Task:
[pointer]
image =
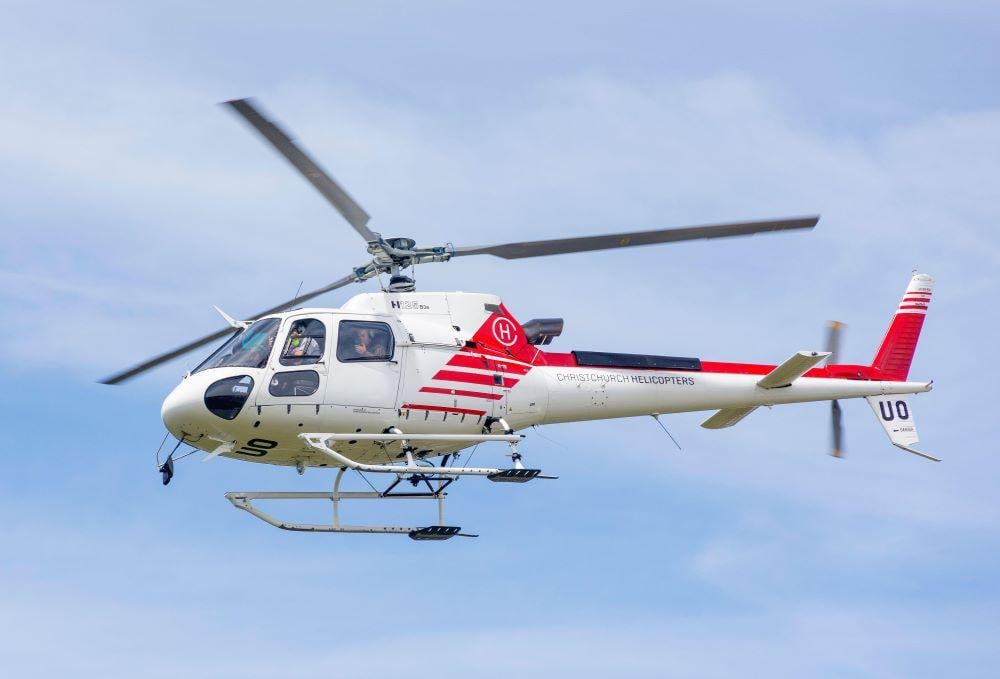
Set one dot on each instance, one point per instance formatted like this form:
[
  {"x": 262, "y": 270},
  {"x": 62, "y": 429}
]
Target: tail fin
[
  {"x": 896, "y": 353},
  {"x": 896, "y": 418}
]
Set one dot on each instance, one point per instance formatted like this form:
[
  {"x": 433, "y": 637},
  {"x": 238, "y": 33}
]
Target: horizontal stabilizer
[
  {"x": 792, "y": 369},
  {"x": 727, "y": 417}
]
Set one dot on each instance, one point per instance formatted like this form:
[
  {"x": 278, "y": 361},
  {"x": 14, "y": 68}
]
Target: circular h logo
[{"x": 504, "y": 331}]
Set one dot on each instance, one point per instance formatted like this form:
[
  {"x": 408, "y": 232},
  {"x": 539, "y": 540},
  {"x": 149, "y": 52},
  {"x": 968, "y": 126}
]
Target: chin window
[{"x": 226, "y": 397}]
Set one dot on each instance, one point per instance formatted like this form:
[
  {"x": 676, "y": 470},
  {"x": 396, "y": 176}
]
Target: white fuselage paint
[{"x": 431, "y": 329}]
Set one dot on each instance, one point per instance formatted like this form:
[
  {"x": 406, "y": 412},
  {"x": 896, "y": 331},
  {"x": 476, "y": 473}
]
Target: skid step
[
  {"x": 514, "y": 475},
  {"x": 436, "y": 533}
]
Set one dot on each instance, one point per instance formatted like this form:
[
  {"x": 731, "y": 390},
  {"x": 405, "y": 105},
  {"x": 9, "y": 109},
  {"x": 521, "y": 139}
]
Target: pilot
[
  {"x": 300, "y": 346},
  {"x": 295, "y": 345}
]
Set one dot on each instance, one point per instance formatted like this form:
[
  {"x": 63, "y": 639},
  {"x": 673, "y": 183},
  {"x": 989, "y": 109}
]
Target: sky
[{"x": 131, "y": 203}]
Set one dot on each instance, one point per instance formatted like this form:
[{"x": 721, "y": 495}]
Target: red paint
[
  {"x": 462, "y": 392},
  {"x": 895, "y": 354},
  {"x": 441, "y": 409},
  {"x": 472, "y": 378},
  {"x": 469, "y": 361}
]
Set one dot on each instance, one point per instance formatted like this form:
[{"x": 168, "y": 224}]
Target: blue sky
[{"x": 132, "y": 203}]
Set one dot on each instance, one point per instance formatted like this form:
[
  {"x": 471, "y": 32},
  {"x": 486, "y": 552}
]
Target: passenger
[
  {"x": 369, "y": 344},
  {"x": 362, "y": 338}
]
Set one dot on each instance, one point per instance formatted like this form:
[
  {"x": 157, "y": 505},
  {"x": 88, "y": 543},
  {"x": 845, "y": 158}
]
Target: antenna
[{"x": 656, "y": 416}]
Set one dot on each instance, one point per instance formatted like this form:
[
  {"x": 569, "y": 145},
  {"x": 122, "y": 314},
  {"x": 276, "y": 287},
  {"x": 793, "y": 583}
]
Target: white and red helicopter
[{"x": 395, "y": 379}]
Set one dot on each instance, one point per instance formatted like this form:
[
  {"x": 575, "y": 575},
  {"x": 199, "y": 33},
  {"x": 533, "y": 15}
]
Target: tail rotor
[
  {"x": 833, "y": 330},
  {"x": 837, "y": 430}
]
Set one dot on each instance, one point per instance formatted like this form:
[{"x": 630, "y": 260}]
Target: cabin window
[
  {"x": 364, "y": 341},
  {"x": 305, "y": 343},
  {"x": 248, "y": 348},
  {"x": 294, "y": 383}
]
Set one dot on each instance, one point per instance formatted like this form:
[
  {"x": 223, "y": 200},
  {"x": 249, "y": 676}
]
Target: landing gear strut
[{"x": 428, "y": 481}]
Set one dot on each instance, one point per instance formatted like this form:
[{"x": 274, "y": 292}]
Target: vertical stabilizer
[
  {"x": 896, "y": 352},
  {"x": 896, "y": 418}
]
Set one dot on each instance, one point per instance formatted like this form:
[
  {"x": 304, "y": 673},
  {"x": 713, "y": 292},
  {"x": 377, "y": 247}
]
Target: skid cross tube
[{"x": 318, "y": 442}]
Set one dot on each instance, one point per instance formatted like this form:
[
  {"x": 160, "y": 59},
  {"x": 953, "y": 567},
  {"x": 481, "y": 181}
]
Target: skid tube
[
  {"x": 435, "y": 478},
  {"x": 244, "y": 501}
]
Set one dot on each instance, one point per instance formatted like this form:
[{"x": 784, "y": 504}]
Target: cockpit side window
[
  {"x": 365, "y": 341},
  {"x": 306, "y": 342},
  {"x": 248, "y": 348}
]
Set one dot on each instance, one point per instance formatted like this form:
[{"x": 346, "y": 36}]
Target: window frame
[{"x": 387, "y": 358}]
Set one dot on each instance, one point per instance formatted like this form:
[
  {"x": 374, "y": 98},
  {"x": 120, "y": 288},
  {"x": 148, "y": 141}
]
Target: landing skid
[{"x": 428, "y": 481}]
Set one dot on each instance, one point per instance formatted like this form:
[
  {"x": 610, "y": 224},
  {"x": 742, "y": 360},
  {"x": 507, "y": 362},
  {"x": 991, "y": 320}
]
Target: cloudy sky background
[{"x": 132, "y": 203}]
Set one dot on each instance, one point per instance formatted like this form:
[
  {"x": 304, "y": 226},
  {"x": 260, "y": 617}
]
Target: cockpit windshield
[{"x": 248, "y": 348}]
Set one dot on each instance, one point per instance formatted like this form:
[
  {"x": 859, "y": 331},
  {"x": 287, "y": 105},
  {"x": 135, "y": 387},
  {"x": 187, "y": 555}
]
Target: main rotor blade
[
  {"x": 118, "y": 378},
  {"x": 559, "y": 246},
  {"x": 324, "y": 183}
]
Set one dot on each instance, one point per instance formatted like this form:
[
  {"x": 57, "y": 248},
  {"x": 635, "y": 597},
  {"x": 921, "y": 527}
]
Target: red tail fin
[{"x": 896, "y": 353}]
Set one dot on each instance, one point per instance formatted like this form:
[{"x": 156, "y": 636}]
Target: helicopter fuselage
[{"x": 445, "y": 363}]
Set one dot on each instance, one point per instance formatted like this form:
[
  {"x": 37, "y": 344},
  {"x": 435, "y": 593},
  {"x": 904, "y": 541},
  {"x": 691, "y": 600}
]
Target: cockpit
[
  {"x": 280, "y": 362},
  {"x": 248, "y": 348}
]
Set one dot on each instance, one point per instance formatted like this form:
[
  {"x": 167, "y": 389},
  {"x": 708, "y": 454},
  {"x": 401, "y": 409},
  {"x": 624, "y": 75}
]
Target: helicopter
[{"x": 398, "y": 383}]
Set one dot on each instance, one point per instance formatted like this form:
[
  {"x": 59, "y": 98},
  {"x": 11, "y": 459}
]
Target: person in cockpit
[{"x": 299, "y": 346}]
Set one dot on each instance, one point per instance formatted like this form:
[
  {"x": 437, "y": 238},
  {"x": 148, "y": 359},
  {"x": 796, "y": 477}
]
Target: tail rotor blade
[
  {"x": 833, "y": 331},
  {"x": 837, "y": 429}
]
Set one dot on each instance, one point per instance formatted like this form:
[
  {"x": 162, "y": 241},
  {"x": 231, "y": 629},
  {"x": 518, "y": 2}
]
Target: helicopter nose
[
  {"x": 182, "y": 410},
  {"x": 200, "y": 405}
]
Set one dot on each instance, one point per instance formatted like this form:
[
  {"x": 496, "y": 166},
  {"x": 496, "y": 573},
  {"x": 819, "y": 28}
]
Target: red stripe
[
  {"x": 462, "y": 392},
  {"x": 495, "y": 353},
  {"x": 553, "y": 359},
  {"x": 468, "y": 361},
  {"x": 441, "y": 409},
  {"x": 922, "y": 308},
  {"x": 472, "y": 378},
  {"x": 735, "y": 368},
  {"x": 755, "y": 369}
]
